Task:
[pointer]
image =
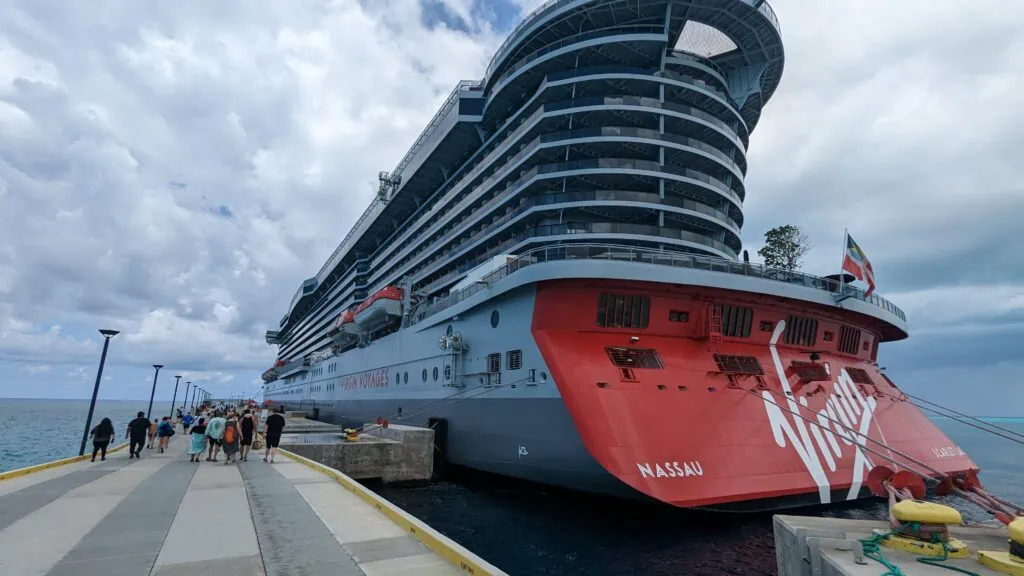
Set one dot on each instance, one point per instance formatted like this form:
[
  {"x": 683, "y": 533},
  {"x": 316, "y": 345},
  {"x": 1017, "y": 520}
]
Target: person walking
[
  {"x": 102, "y": 436},
  {"x": 152, "y": 431},
  {"x": 214, "y": 435},
  {"x": 186, "y": 422},
  {"x": 137, "y": 430},
  {"x": 232, "y": 436},
  {"x": 272, "y": 431},
  {"x": 164, "y": 431},
  {"x": 248, "y": 425},
  {"x": 197, "y": 440}
]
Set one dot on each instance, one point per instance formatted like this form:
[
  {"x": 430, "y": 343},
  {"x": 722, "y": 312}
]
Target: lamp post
[
  {"x": 107, "y": 335},
  {"x": 195, "y": 396},
  {"x": 184, "y": 402},
  {"x": 174, "y": 399},
  {"x": 156, "y": 373}
]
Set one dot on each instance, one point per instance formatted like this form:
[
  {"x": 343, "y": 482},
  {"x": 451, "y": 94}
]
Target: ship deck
[{"x": 162, "y": 515}]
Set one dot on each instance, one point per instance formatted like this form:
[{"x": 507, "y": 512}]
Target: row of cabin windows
[{"x": 633, "y": 311}]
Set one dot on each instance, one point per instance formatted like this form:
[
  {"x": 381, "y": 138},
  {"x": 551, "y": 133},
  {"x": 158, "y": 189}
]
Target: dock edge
[
  {"x": 459, "y": 556},
  {"x": 54, "y": 464}
]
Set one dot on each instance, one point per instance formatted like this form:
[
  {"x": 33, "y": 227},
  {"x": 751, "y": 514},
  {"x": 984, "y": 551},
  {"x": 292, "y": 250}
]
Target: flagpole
[{"x": 842, "y": 272}]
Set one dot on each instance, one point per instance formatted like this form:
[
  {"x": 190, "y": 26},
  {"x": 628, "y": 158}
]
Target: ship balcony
[{"x": 273, "y": 337}]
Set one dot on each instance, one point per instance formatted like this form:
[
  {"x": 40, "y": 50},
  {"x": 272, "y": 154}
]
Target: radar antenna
[{"x": 388, "y": 185}]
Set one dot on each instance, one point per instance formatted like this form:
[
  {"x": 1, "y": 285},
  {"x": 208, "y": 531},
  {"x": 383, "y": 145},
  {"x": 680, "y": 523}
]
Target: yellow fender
[{"x": 926, "y": 513}]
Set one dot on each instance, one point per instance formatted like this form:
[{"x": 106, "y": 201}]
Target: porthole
[
  {"x": 494, "y": 319},
  {"x": 405, "y": 378},
  {"x": 398, "y": 378},
  {"x": 447, "y": 373},
  {"x": 543, "y": 376},
  {"x": 424, "y": 374},
  {"x": 435, "y": 373}
]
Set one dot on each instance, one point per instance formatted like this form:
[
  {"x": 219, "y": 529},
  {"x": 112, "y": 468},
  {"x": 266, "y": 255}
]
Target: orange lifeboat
[
  {"x": 344, "y": 331},
  {"x": 384, "y": 307}
]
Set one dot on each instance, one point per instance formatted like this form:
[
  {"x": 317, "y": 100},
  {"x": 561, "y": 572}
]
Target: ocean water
[
  {"x": 37, "y": 431},
  {"x": 531, "y": 530}
]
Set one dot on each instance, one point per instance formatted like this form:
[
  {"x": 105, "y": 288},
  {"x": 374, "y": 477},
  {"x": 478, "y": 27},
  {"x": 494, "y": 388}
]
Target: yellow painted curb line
[
  {"x": 47, "y": 465},
  {"x": 445, "y": 547}
]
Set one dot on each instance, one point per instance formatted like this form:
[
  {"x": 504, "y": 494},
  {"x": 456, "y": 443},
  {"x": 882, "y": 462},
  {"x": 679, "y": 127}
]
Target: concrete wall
[{"x": 397, "y": 454}]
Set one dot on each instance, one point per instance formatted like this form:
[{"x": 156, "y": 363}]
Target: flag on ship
[{"x": 856, "y": 263}]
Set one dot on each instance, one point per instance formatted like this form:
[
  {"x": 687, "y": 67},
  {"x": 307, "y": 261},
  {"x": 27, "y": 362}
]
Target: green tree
[{"x": 784, "y": 248}]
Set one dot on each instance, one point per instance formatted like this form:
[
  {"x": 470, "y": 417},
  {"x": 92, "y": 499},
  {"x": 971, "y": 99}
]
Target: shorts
[
  {"x": 273, "y": 440},
  {"x": 213, "y": 441},
  {"x": 246, "y": 440}
]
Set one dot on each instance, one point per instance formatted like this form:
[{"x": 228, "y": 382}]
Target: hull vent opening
[
  {"x": 735, "y": 320},
  {"x": 623, "y": 311},
  {"x": 515, "y": 359},
  {"x": 810, "y": 371},
  {"x": 849, "y": 340},
  {"x": 739, "y": 365},
  {"x": 494, "y": 363},
  {"x": 801, "y": 331},
  {"x": 631, "y": 358},
  {"x": 860, "y": 376}
]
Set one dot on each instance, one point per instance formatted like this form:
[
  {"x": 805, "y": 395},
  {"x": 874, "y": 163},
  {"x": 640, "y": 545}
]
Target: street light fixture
[
  {"x": 107, "y": 335},
  {"x": 184, "y": 402},
  {"x": 174, "y": 399},
  {"x": 156, "y": 373}
]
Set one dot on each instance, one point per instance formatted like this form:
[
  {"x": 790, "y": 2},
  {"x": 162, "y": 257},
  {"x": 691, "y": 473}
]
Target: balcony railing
[{"x": 655, "y": 257}]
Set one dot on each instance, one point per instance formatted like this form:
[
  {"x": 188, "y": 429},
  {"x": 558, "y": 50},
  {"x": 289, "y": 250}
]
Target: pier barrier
[
  {"x": 453, "y": 552},
  {"x": 54, "y": 464}
]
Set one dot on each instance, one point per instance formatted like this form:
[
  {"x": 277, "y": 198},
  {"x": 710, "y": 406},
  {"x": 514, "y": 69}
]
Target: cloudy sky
[{"x": 173, "y": 172}]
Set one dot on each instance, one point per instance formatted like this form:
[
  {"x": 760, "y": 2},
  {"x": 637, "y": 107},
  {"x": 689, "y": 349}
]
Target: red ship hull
[{"x": 685, "y": 413}]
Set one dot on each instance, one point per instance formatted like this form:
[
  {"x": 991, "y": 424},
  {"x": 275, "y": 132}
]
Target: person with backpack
[
  {"x": 232, "y": 435},
  {"x": 164, "y": 431},
  {"x": 214, "y": 436}
]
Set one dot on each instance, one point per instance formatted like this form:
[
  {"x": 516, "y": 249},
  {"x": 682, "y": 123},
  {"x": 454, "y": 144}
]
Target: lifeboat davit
[
  {"x": 344, "y": 331},
  {"x": 384, "y": 307}
]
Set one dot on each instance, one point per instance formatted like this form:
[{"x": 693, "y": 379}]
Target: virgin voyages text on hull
[{"x": 552, "y": 268}]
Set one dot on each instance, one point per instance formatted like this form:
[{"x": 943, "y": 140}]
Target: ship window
[
  {"x": 766, "y": 326},
  {"x": 860, "y": 376},
  {"x": 849, "y": 340},
  {"x": 623, "y": 311},
  {"x": 405, "y": 377},
  {"x": 435, "y": 373},
  {"x": 424, "y": 374},
  {"x": 398, "y": 378},
  {"x": 494, "y": 363},
  {"x": 801, "y": 331},
  {"x": 447, "y": 373},
  {"x": 515, "y": 359},
  {"x": 678, "y": 316},
  {"x": 494, "y": 319},
  {"x": 738, "y": 365},
  {"x": 634, "y": 358},
  {"x": 736, "y": 320}
]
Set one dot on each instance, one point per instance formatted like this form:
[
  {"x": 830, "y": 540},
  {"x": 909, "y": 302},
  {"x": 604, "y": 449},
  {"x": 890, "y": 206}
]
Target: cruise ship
[{"x": 554, "y": 271}]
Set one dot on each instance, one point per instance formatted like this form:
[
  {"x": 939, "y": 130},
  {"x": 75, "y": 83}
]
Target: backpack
[{"x": 229, "y": 434}]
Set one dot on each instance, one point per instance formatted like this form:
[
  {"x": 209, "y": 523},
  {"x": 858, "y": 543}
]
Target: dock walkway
[{"x": 165, "y": 516}]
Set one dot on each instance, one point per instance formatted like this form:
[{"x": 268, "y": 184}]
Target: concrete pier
[
  {"x": 809, "y": 546},
  {"x": 165, "y": 516}
]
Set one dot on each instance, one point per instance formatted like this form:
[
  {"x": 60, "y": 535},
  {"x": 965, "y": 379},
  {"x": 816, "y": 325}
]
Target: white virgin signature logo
[{"x": 845, "y": 404}]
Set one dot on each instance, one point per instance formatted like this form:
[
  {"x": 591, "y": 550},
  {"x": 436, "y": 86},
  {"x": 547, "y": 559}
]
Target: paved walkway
[{"x": 165, "y": 516}]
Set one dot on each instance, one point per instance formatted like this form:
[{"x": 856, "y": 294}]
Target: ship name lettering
[
  {"x": 379, "y": 378},
  {"x": 670, "y": 469},
  {"x": 948, "y": 452}
]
